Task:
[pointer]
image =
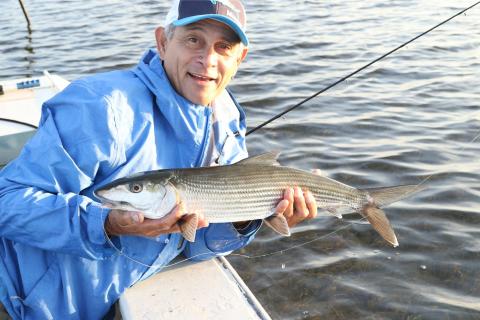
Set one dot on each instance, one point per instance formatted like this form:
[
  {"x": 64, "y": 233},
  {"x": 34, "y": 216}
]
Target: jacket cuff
[
  {"x": 95, "y": 224},
  {"x": 249, "y": 229},
  {"x": 221, "y": 237}
]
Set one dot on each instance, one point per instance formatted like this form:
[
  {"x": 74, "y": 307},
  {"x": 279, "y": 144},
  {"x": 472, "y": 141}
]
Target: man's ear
[
  {"x": 243, "y": 55},
  {"x": 161, "y": 41}
]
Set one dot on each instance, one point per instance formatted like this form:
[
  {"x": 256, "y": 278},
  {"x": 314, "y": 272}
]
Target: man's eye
[
  {"x": 135, "y": 187},
  {"x": 192, "y": 40},
  {"x": 225, "y": 46},
  {"x": 226, "y": 49}
]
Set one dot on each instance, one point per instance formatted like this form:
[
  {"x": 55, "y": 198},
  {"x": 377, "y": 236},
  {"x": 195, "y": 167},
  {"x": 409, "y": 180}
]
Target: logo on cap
[{"x": 230, "y": 12}]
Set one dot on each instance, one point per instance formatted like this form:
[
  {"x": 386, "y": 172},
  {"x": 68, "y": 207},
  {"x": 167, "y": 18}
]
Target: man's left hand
[{"x": 297, "y": 205}]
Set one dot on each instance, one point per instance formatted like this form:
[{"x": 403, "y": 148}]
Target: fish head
[{"x": 155, "y": 198}]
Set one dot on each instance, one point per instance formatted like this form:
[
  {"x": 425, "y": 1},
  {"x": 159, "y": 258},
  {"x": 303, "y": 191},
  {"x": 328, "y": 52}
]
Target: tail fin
[{"x": 387, "y": 195}]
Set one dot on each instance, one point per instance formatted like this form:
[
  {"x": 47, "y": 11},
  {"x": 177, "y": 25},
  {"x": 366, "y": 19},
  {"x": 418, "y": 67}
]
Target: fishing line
[
  {"x": 293, "y": 247},
  {"x": 121, "y": 253},
  {"x": 355, "y": 72},
  {"x": 263, "y": 255},
  {"x": 469, "y": 143},
  {"x": 281, "y": 251},
  {"x": 421, "y": 183},
  {"x": 348, "y": 225}
]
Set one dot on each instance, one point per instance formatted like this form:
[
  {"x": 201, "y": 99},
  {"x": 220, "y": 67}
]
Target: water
[{"x": 413, "y": 116}]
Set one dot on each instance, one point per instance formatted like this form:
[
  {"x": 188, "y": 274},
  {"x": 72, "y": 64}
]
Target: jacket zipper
[{"x": 206, "y": 140}]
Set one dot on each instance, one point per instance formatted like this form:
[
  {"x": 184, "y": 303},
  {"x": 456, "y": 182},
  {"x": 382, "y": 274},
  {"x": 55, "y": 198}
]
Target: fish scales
[
  {"x": 247, "y": 190},
  {"x": 252, "y": 192}
]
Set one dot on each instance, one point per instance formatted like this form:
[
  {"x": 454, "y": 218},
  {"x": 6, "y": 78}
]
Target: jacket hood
[
  {"x": 188, "y": 120},
  {"x": 175, "y": 108}
]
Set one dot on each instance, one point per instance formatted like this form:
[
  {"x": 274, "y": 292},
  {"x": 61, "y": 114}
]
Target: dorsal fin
[{"x": 268, "y": 158}]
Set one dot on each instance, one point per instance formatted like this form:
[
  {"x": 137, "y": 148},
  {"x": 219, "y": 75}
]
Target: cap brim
[{"x": 232, "y": 24}]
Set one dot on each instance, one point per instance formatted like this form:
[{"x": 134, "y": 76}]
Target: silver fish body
[{"x": 247, "y": 190}]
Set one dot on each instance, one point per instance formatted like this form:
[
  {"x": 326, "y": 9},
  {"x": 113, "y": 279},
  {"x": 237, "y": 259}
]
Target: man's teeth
[{"x": 201, "y": 77}]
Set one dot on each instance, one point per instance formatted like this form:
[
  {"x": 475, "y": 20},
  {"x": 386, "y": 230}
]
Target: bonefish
[{"x": 247, "y": 190}]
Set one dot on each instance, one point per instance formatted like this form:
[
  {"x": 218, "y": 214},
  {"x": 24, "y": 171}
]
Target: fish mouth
[
  {"x": 109, "y": 203},
  {"x": 118, "y": 204},
  {"x": 114, "y": 204},
  {"x": 98, "y": 194}
]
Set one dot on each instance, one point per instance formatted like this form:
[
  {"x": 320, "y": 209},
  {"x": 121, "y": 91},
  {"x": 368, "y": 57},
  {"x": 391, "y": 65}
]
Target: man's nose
[{"x": 209, "y": 56}]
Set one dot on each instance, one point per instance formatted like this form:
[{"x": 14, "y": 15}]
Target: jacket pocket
[{"x": 45, "y": 300}]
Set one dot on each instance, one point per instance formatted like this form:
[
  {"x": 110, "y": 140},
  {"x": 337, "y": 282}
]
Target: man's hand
[
  {"x": 121, "y": 222},
  {"x": 297, "y": 205}
]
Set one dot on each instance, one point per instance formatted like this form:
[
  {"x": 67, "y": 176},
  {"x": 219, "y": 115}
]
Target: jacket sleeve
[
  {"x": 220, "y": 239},
  {"x": 41, "y": 201}
]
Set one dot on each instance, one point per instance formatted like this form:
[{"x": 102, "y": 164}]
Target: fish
[{"x": 246, "y": 190}]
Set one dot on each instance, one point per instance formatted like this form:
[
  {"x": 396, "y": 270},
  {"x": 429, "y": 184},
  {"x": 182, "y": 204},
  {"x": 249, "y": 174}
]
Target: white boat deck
[{"x": 198, "y": 291}]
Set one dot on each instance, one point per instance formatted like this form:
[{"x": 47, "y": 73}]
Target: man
[{"x": 64, "y": 256}]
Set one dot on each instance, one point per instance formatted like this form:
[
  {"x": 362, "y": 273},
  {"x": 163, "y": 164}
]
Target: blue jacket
[{"x": 56, "y": 262}]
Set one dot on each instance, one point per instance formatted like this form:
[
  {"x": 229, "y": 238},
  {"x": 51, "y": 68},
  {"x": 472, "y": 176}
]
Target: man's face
[{"x": 200, "y": 59}]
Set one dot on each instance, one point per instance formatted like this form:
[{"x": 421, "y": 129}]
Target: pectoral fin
[
  {"x": 278, "y": 223},
  {"x": 189, "y": 226}
]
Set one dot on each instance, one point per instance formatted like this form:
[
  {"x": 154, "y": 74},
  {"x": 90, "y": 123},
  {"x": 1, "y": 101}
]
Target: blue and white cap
[{"x": 230, "y": 12}]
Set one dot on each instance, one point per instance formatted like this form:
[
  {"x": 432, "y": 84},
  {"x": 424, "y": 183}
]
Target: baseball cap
[{"x": 230, "y": 12}]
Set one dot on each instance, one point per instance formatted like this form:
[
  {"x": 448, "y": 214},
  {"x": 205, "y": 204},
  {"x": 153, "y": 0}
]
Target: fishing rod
[
  {"x": 120, "y": 252},
  {"x": 356, "y": 71}
]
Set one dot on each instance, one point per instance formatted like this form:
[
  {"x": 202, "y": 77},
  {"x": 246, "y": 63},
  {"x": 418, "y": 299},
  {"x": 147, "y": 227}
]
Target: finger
[
  {"x": 121, "y": 222},
  {"x": 289, "y": 196},
  {"x": 172, "y": 218},
  {"x": 311, "y": 205},
  {"x": 152, "y": 228},
  {"x": 282, "y": 206},
  {"x": 301, "y": 210},
  {"x": 167, "y": 224},
  {"x": 125, "y": 218},
  {"x": 202, "y": 222}
]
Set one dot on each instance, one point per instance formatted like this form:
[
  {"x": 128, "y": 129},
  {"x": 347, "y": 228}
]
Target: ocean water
[{"x": 412, "y": 118}]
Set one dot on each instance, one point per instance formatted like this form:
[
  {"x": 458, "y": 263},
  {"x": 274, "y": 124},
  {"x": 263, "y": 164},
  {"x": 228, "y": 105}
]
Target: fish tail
[{"x": 387, "y": 195}]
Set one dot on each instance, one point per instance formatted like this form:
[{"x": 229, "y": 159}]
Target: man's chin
[{"x": 201, "y": 100}]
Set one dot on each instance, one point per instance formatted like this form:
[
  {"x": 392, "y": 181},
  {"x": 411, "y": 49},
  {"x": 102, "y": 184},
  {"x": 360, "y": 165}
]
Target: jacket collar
[
  {"x": 186, "y": 118},
  {"x": 189, "y": 122}
]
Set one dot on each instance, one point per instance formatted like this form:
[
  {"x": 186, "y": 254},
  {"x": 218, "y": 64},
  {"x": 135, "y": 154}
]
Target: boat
[
  {"x": 187, "y": 290},
  {"x": 20, "y": 108}
]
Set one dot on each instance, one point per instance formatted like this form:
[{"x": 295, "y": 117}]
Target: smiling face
[{"x": 200, "y": 59}]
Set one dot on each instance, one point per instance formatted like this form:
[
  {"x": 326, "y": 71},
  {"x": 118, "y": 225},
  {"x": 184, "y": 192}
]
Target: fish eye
[{"x": 135, "y": 187}]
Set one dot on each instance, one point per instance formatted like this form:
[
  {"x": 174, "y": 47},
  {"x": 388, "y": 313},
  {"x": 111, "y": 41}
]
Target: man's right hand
[{"x": 120, "y": 222}]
